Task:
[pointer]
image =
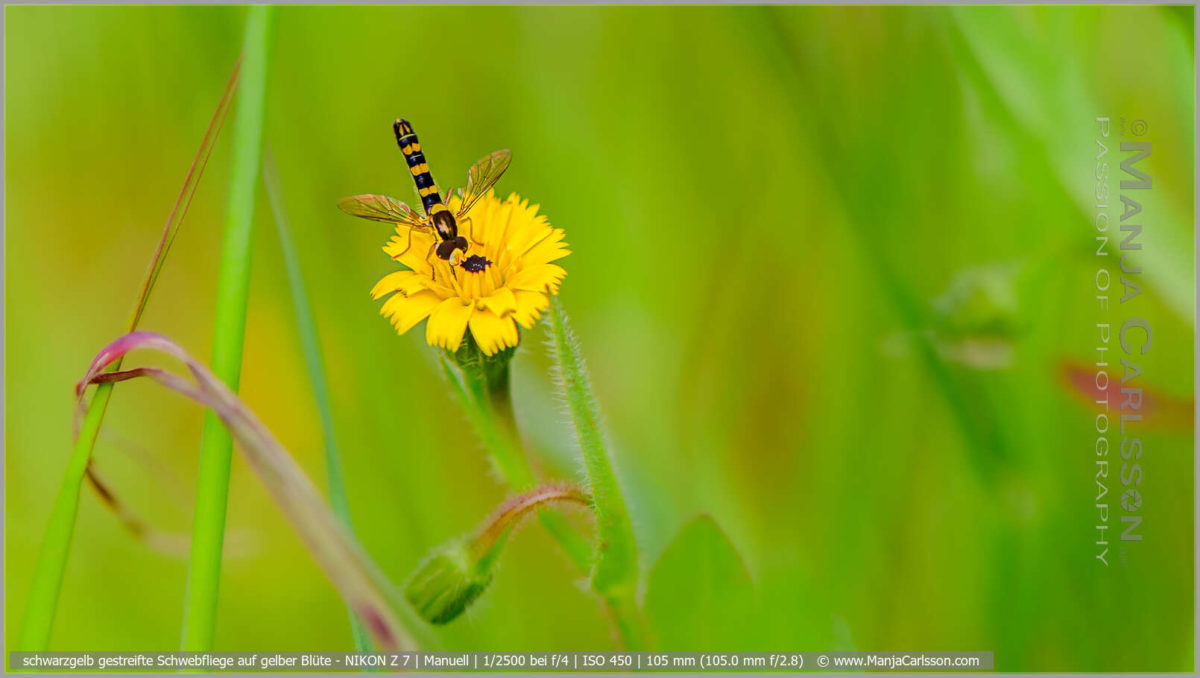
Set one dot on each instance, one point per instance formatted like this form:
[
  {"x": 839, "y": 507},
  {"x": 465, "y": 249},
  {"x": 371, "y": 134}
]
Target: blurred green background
[{"x": 829, "y": 265}]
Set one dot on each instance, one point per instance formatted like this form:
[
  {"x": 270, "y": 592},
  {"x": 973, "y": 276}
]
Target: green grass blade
[
  {"x": 52, "y": 560},
  {"x": 233, "y": 287},
  {"x": 615, "y": 573},
  {"x": 310, "y": 345}
]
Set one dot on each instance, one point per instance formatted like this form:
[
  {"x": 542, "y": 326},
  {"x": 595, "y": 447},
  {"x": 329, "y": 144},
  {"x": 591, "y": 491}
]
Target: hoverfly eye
[{"x": 445, "y": 249}]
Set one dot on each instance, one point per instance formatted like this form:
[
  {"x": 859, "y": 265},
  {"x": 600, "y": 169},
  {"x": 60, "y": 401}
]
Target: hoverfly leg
[
  {"x": 432, "y": 264},
  {"x": 409, "y": 247},
  {"x": 467, "y": 220}
]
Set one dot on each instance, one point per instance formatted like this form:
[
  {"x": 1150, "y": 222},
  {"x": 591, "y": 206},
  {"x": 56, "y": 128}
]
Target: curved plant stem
[
  {"x": 485, "y": 545},
  {"x": 52, "y": 560},
  {"x": 216, "y": 446},
  {"x": 311, "y": 346},
  {"x": 360, "y": 582},
  {"x": 615, "y": 574},
  {"x": 484, "y": 395}
]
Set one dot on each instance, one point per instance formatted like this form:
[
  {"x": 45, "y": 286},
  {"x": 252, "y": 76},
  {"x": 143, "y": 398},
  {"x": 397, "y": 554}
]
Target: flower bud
[
  {"x": 460, "y": 571},
  {"x": 448, "y": 582}
]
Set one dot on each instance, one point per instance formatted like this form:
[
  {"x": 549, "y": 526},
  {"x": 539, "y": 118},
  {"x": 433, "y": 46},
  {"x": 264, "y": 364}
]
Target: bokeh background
[{"x": 829, "y": 268}]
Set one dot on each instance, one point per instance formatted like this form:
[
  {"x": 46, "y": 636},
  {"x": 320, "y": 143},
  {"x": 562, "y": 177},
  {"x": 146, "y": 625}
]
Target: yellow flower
[{"x": 502, "y": 280}]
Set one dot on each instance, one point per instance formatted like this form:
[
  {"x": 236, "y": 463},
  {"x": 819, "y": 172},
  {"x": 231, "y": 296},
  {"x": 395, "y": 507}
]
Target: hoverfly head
[{"x": 446, "y": 248}]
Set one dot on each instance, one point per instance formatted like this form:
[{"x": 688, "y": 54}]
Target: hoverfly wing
[
  {"x": 381, "y": 208},
  {"x": 483, "y": 175}
]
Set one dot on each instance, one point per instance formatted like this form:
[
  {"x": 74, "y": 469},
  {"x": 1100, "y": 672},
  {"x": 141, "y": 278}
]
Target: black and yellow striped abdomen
[{"x": 410, "y": 146}]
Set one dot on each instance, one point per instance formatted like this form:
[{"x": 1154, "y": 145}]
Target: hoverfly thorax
[
  {"x": 447, "y": 228},
  {"x": 444, "y": 222}
]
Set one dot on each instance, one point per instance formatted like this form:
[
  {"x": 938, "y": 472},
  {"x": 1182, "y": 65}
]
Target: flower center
[{"x": 475, "y": 264}]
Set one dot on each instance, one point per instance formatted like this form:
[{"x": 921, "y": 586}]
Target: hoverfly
[{"x": 438, "y": 218}]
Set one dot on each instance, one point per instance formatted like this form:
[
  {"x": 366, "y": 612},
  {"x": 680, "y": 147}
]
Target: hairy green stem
[
  {"x": 615, "y": 573},
  {"x": 495, "y": 428},
  {"x": 216, "y": 445},
  {"x": 483, "y": 391}
]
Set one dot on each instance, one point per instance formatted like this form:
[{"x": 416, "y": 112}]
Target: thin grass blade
[{"x": 310, "y": 344}]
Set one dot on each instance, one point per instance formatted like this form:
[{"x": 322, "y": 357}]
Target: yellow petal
[
  {"x": 537, "y": 278},
  {"x": 484, "y": 225},
  {"x": 404, "y": 312},
  {"x": 448, "y": 322},
  {"x": 501, "y": 303},
  {"x": 404, "y": 282},
  {"x": 527, "y": 234},
  {"x": 529, "y": 307},
  {"x": 492, "y": 332},
  {"x": 390, "y": 283},
  {"x": 548, "y": 250}
]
